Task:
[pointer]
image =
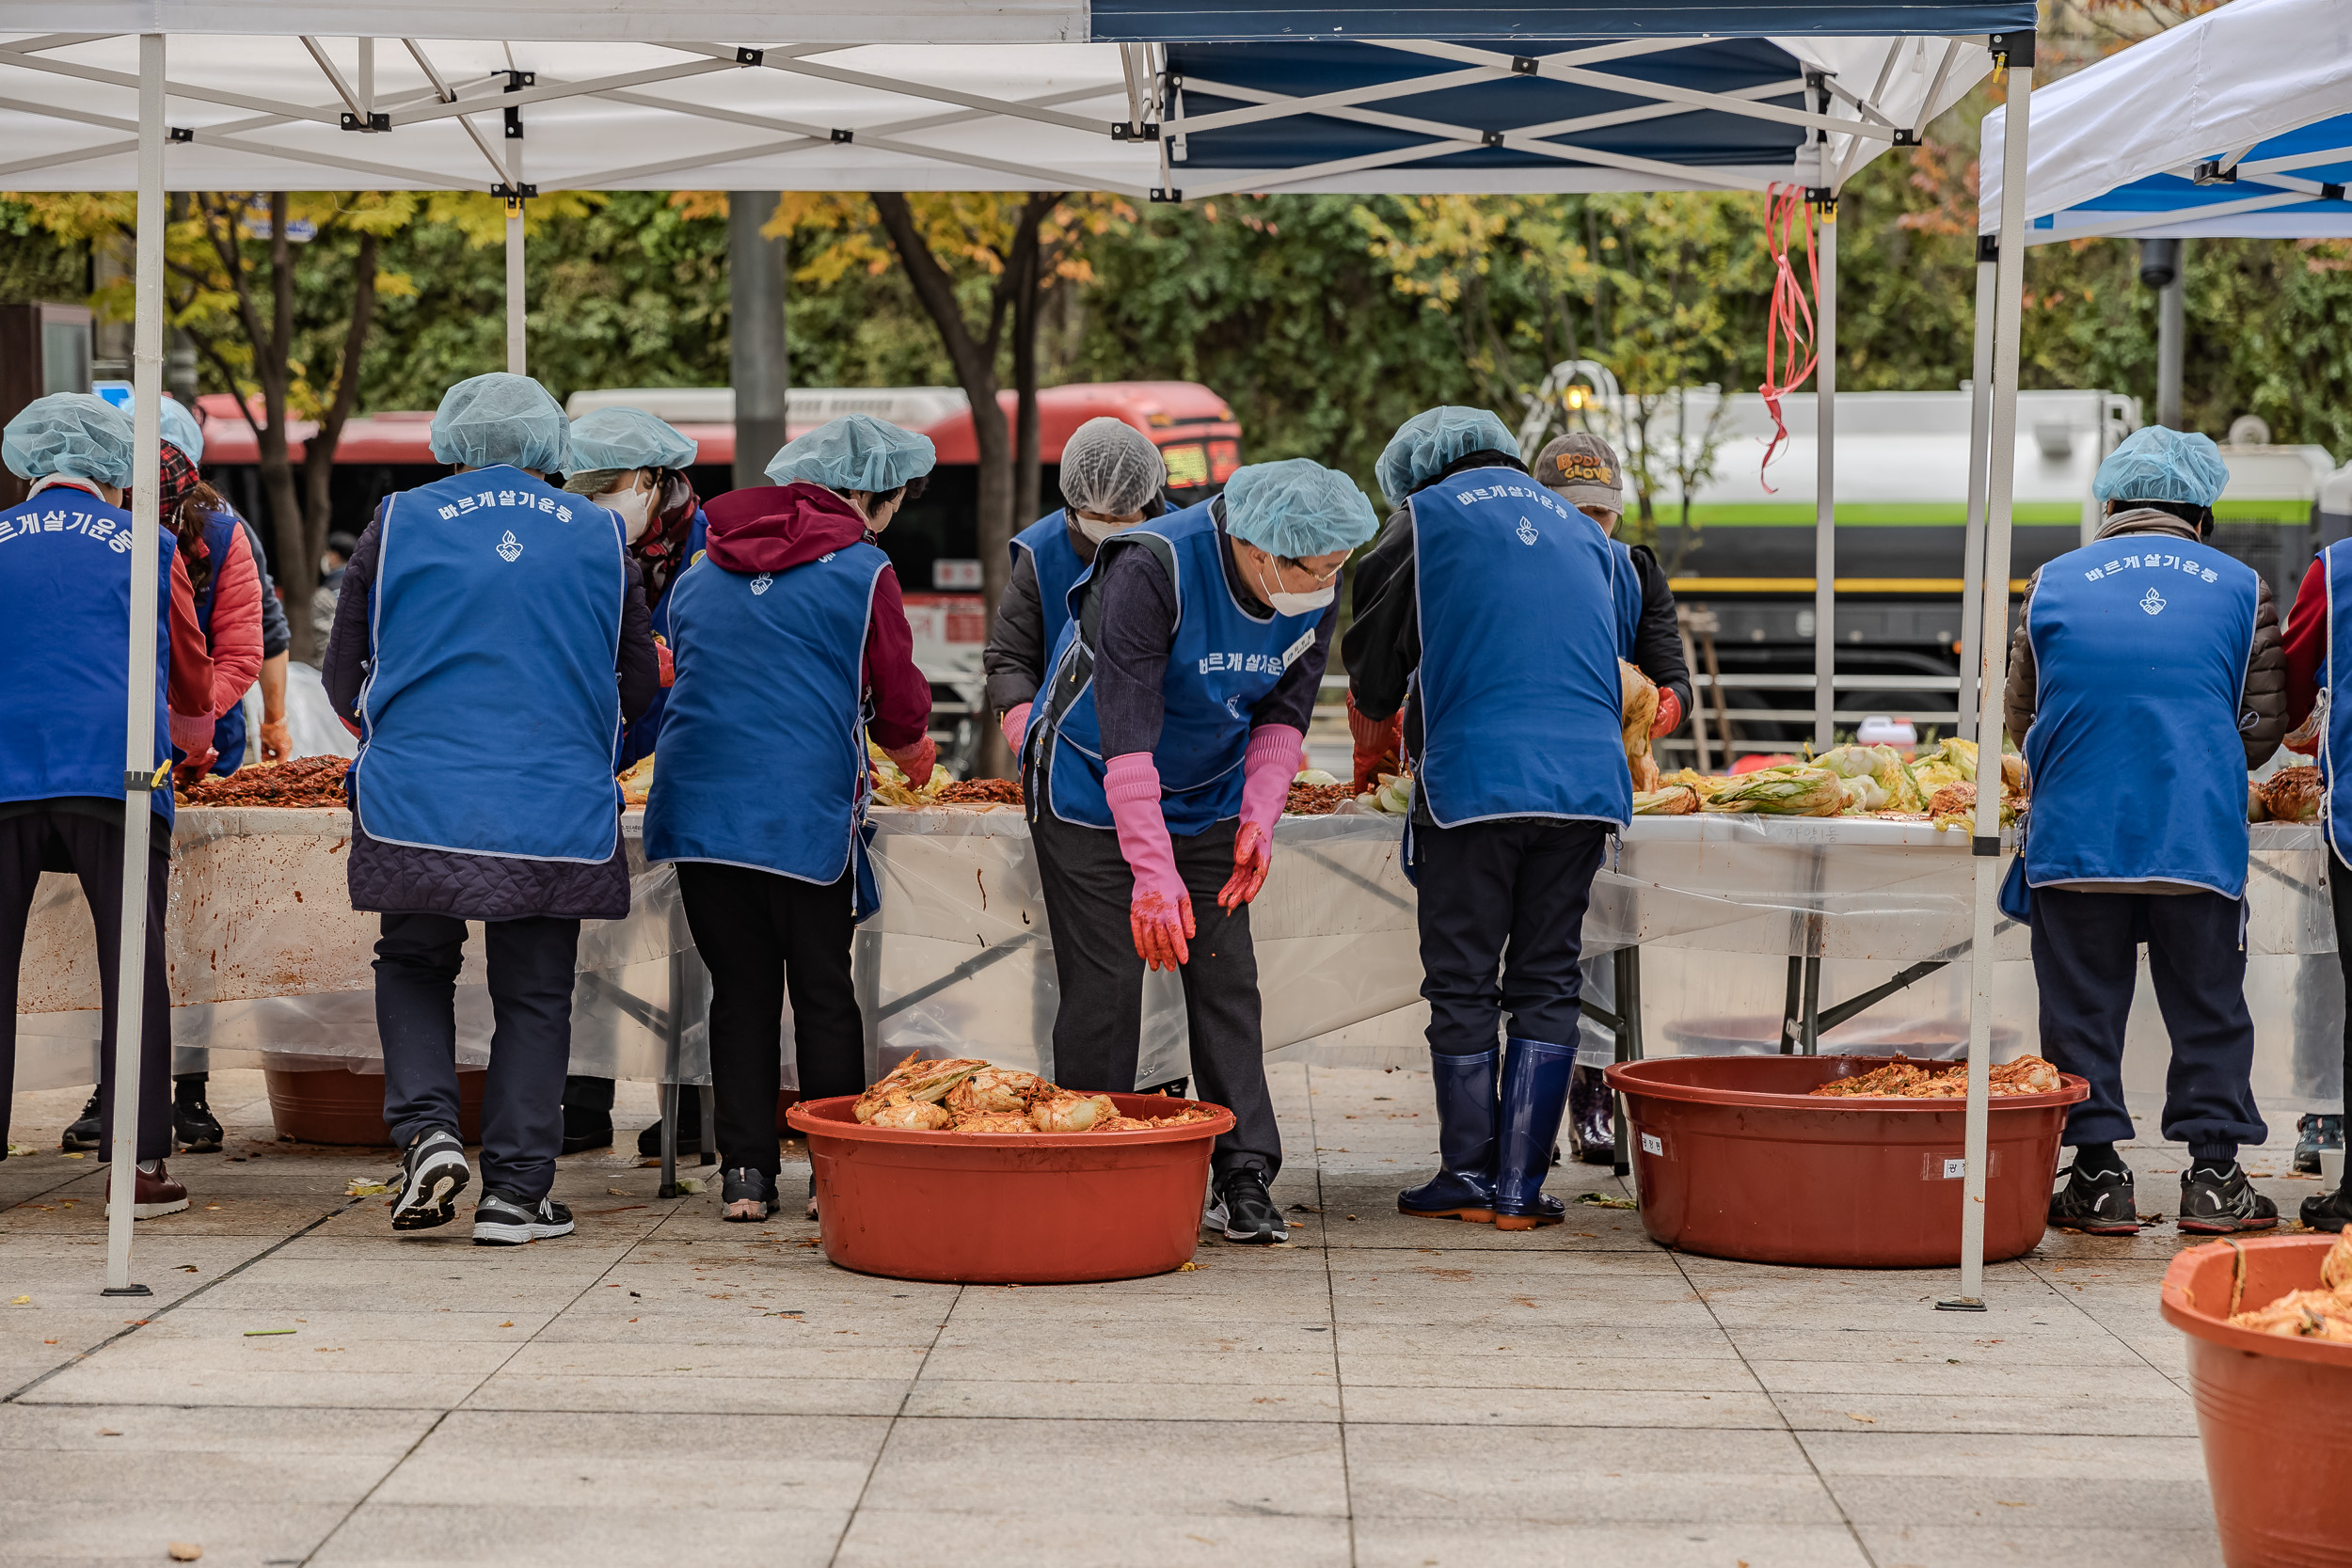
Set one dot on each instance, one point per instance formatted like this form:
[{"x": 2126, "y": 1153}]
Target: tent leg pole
[
  {"x": 2001, "y": 479},
  {"x": 515, "y": 302},
  {"x": 140, "y": 761},
  {"x": 1825, "y": 495},
  {"x": 1979, "y": 432}
]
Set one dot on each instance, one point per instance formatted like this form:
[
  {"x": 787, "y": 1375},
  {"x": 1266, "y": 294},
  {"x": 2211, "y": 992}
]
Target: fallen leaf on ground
[
  {"x": 21, "y": 1300},
  {"x": 362, "y": 1186},
  {"x": 108, "y": 1432},
  {"x": 184, "y": 1551},
  {"x": 76, "y": 1156},
  {"x": 619, "y": 1192},
  {"x": 19, "y": 1151},
  {"x": 1866, "y": 1421},
  {"x": 690, "y": 1183},
  {"x": 1602, "y": 1200},
  {"x": 263, "y": 1332},
  {"x": 1187, "y": 1268},
  {"x": 508, "y": 1323}
]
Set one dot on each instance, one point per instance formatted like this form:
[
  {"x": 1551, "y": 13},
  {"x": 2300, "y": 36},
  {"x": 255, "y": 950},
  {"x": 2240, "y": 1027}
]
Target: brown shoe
[{"x": 153, "y": 1192}]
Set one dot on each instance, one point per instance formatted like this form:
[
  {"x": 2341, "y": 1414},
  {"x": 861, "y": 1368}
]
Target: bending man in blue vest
[
  {"x": 791, "y": 645},
  {"x": 489, "y": 640},
  {"x": 2150, "y": 642},
  {"x": 1111, "y": 479},
  {"x": 1170, "y": 732},
  {"x": 1493, "y": 614}
]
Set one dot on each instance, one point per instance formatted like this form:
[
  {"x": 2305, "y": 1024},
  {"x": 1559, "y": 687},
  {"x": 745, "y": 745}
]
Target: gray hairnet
[
  {"x": 181, "y": 429},
  {"x": 1296, "y": 508},
  {"x": 856, "y": 451},
  {"x": 71, "y": 435},
  {"x": 627, "y": 438},
  {"x": 487, "y": 421},
  {"x": 1110, "y": 468},
  {"x": 1424, "y": 445},
  {"x": 2155, "y": 464}
]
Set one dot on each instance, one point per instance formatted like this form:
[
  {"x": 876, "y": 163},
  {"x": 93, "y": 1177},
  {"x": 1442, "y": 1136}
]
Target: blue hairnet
[
  {"x": 487, "y": 420},
  {"x": 1427, "y": 443},
  {"x": 1296, "y": 508},
  {"x": 855, "y": 451},
  {"x": 181, "y": 431},
  {"x": 71, "y": 435},
  {"x": 2155, "y": 464},
  {"x": 626, "y": 439}
]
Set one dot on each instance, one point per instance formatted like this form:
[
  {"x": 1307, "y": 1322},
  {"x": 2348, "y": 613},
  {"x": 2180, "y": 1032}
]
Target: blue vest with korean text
[
  {"x": 2140, "y": 646},
  {"x": 763, "y": 751},
  {"x": 1059, "y": 569},
  {"x": 220, "y": 528},
  {"x": 1526, "y": 605},
  {"x": 64, "y": 579},
  {"x": 637, "y": 741},
  {"x": 1222, "y": 661},
  {"x": 489, "y": 719},
  {"x": 2335, "y": 680}
]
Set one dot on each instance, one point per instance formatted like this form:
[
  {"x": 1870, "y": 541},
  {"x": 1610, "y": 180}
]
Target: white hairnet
[
  {"x": 1296, "y": 508},
  {"x": 1110, "y": 468},
  {"x": 181, "y": 429},
  {"x": 71, "y": 435},
  {"x": 627, "y": 438},
  {"x": 855, "y": 451},
  {"x": 487, "y": 421},
  {"x": 1433, "y": 438},
  {"x": 2155, "y": 464}
]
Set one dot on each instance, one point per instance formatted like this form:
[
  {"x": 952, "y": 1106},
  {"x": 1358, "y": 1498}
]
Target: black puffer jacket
[{"x": 398, "y": 879}]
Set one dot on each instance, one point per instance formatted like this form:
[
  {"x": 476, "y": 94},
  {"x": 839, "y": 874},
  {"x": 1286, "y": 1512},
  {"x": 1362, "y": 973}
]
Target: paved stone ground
[{"x": 1382, "y": 1392}]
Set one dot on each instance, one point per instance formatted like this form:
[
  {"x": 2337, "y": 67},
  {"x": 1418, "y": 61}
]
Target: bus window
[
  {"x": 1224, "y": 457},
  {"x": 1187, "y": 465}
]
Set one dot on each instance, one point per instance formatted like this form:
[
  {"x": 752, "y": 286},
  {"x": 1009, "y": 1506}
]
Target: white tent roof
[{"x": 2238, "y": 123}]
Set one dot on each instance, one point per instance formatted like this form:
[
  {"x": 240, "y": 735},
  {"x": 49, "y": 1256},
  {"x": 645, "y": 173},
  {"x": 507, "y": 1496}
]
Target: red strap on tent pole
[{"x": 1791, "y": 317}]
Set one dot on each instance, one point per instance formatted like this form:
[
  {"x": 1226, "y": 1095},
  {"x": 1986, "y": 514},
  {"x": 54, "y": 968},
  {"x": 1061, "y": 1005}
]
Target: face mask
[
  {"x": 1299, "y": 603},
  {"x": 1097, "y": 528},
  {"x": 634, "y": 507}
]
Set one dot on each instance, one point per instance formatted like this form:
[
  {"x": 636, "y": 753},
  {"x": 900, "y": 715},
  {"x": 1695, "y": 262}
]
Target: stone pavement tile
[
  {"x": 355, "y": 1434},
  {"x": 1937, "y": 1378},
  {"x": 2005, "y": 1543},
  {"x": 1513, "y": 1543},
  {"x": 2176, "y": 1460},
  {"x": 99, "y": 1381},
  {"x": 200, "y": 1320},
  {"x": 691, "y": 1393},
  {"x": 1512, "y": 1364},
  {"x": 421, "y": 1291},
  {"x": 2069, "y": 1338},
  {"x": 748, "y": 1324},
  {"x": 1588, "y": 1475},
  {"x": 2065, "y": 1502},
  {"x": 409, "y": 1535},
  {"x": 1481, "y": 1405},
  {"x": 1420, "y": 1295},
  {"x": 2170, "y": 1416},
  {"x": 208, "y": 1215},
  {"x": 1249, "y": 1352},
  {"x": 308, "y": 1356},
  {"x": 655, "y": 1357},
  {"x": 1284, "y": 1299},
  {"x": 1379, "y": 1224},
  {"x": 1142, "y": 1469},
  {"x": 129, "y": 1528},
  {"x": 1146, "y": 1397},
  {"x": 1095, "y": 1537}
]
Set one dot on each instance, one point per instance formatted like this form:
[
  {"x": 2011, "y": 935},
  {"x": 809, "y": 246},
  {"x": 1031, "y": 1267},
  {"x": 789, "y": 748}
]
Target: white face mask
[
  {"x": 635, "y": 507},
  {"x": 1299, "y": 603},
  {"x": 1099, "y": 529}
]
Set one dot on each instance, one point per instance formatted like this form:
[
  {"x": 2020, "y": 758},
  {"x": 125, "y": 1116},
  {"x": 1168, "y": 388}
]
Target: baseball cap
[{"x": 1581, "y": 470}]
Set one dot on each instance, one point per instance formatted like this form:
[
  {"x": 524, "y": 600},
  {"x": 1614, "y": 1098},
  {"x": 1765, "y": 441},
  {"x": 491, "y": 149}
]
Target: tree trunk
[
  {"x": 300, "y": 575},
  {"x": 272, "y": 350},
  {"x": 1028, "y": 502}
]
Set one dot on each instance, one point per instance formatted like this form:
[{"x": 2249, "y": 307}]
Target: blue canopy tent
[{"x": 1174, "y": 103}]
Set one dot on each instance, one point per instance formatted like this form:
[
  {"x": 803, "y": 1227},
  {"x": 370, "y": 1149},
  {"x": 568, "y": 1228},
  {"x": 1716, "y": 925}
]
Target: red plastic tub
[
  {"x": 1020, "y": 1208},
  {"x": 2270, "y": 1410},
  {"x": 1733, "y": 1159},
  {"x": 336, "y": 1105}
]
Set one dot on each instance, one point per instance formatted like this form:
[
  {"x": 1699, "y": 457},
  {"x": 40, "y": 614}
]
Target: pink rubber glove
[
  {"x": 915, "y": 761},
  {"x": 1016, "y": 726},
  {"x": 1160, "y": 916},
  {"x": 1266, "y": 772}
]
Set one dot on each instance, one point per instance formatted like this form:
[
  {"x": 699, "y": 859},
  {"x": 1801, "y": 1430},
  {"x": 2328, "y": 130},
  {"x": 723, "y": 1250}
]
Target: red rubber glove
[
  {"x": 665, "y": 661},
  {"x": 1267, "y": 768},
  {"x": 1379, "y": 744},
  {"x": 1016, "y": 725},
  {"x": 1160, "y": 913},
  {"x": 1669, "y": 714},
  {"x": 915, "y": 761}
]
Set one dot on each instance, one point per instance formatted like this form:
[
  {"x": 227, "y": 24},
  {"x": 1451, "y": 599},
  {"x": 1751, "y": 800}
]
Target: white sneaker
[
  {"x": 432, "y": 1173},
  {"x": 503, "y": 1221}
]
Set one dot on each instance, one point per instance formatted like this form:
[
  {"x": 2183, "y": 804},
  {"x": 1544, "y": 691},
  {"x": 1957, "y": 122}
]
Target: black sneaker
[
  {"x": 2328, "y": 1211},
  {"x": 2313, "y": 1134},
  {"x": 2098, "y": 1203},
  {"x": 747, "y": 1196},
  {"x": 194, "y": 1127},
  {"x": 81, "y": 1135},
  {"x": 587, "y": 1128},
  {"x": 2216, "y": 1201},
  {"x": 432, "y": 1173},
  {"x": 1242, "y": 1210},
  {"x": 501, "y": 1219}
]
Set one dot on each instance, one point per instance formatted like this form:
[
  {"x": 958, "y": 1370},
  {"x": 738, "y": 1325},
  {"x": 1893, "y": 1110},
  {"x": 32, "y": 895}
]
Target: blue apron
[
  {"x": 221, "y": 528},
  {"x": 1525, "y": 607},
  {"x": 638, "y": 740},
  {"x": 2335, "y": 679},
  {"x": 65, "y": 579},
  {"x": 1222, "y": 661},
  {"x": 2140, "y": 646},
  {"x": 763, "y": 754},
  {"x": 489, "y": 718},
  {"x": 1059, "y": 569}
]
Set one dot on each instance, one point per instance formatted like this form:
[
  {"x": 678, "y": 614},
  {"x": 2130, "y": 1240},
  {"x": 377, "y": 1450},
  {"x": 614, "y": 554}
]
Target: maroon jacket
[{"x": 771, "y": 527}]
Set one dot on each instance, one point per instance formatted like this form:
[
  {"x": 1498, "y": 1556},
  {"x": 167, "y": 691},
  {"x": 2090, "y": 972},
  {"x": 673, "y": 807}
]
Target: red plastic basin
[
  {"x": 1017, "y": 1209},
  {"x": 1734, "y": 1159},
  {"x": 2269, "y": 1410},
  {"x": 336, "y": 1105}
]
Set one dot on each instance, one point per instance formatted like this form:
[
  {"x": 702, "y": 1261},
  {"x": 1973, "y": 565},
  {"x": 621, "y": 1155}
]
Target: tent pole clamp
[
  {"x": 1525, "y": 65},
  {"x": 2011, "y": 49},
  {"x": 1980, "y": 845},
  {"x": 2331, "y": 193},
  {"x": 751, "y": 56},
  {"x": 843, "y": 138},
  {"x": 1822, "y": 200},
  {"x": 1988, "y": 250},
  {"x": 377, "y": 121},
  {"x": 1163, "y": 194},
  {"x": 180, "y": 134},
  {"x": 2213, "y": 172},
  {"x": 1126, "y": 131}
]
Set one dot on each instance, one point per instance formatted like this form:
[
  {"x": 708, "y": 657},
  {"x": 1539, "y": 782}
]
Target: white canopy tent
[{"x": 515, "y": 96}]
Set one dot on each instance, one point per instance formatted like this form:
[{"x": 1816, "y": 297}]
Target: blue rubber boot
[
  {"x": 1534, "y": 1097},
  {"x": 1463, "y": 1187}
]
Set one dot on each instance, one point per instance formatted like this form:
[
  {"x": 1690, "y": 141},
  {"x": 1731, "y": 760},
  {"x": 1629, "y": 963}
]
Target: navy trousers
[
  {"x": 530, "y": 964},
  {"x": 2084, "y": 962},
  {"x": 1501, "y": 927}
]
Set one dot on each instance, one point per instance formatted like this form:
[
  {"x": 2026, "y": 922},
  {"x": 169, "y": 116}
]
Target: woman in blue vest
[
  {"x": 65, "y": 579},
  {"x": 2149, "y": 637},
  {"x": 229, "y": 740},
  {"x": 1170, "y": 732},
  {"x": 1111, "y": 479},
  {"x": 634, "y": 465},
  {"x": 491, "y": 639},
  {"x": 1492, "y": 613},
  {"x": 791, "y": 648}
]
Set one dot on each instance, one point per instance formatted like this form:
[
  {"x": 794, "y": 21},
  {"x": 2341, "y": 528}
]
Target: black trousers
[
  {"x": 1503, "y": 927},
  {"x": 91, "y": 848},
  {"x": 2086, "y": 964},
  {"x": 1098, "y": 1031},
  {"x": 2340, "y": 902},
  {"x": 531, "y": 963},
  {"x": 763, "y": 937}
]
